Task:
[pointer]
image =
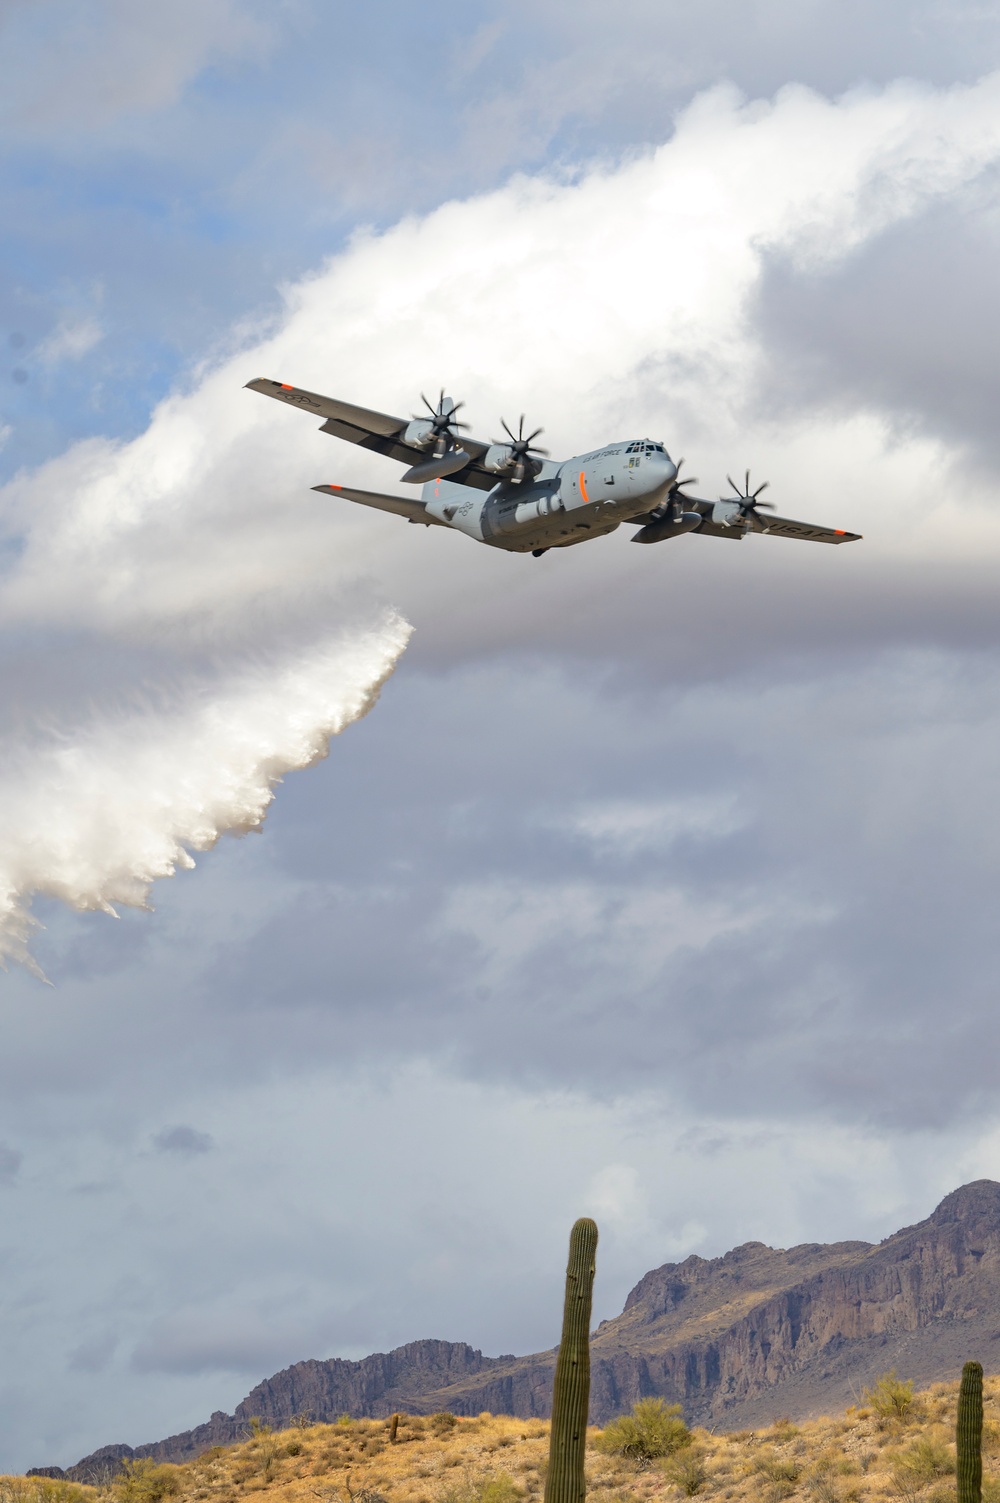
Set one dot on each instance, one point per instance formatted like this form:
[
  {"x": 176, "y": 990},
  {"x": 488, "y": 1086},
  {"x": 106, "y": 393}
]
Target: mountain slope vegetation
[{"x": 894, "y": 1445}]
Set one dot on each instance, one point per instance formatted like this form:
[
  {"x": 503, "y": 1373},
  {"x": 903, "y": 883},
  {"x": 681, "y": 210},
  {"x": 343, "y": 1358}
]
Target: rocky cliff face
[{"x": 735, "y": 1340}]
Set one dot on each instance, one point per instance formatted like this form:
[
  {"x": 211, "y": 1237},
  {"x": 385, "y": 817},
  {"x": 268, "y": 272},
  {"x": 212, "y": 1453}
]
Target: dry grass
[{"x": 860, "y": 1457}]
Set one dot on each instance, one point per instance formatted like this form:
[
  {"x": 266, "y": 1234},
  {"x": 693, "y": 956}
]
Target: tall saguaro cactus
[
  {"x": 969, "y": 1434},
  {"x": 565, "y": 1482}
]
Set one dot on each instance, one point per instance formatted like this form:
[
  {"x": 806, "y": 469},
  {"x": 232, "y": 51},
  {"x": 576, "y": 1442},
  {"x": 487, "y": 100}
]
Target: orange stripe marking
[
  {"x": 285, "y": 387},
  {"x": 583, "y": 488}
]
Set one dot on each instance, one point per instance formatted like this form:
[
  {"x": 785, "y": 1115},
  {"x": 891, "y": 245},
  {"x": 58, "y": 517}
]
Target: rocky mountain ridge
[{"x": 735, "y": 1340}]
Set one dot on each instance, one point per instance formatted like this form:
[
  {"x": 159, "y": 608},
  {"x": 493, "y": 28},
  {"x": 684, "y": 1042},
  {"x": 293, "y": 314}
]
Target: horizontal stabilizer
[{"x": 402, "y": 506}]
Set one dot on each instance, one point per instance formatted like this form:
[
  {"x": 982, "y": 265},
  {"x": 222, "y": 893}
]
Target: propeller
[
  {"x": 443, "y": 422},
  {"x": 522, "y": 450},
  {"x": 748, "y": 500},
  {"x": 678, "y": 482},
  {"x": 446, "y": 454},
  {"x": 676, "y": 498}
]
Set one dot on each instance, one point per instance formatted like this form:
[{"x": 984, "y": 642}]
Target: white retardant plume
[{"x": 96, "y": 821}]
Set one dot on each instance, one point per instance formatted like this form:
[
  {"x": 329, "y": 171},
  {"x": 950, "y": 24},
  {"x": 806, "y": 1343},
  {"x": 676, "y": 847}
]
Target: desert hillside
[
  {"x": 733, "y": 1340},
  {"x": 870, "y": 1452}
]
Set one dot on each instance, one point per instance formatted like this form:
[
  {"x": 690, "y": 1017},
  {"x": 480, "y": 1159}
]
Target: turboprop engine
[
  {"x": 440, "y": 434},
  {"x": 670, "y": 526},
  {"x": 516, "y": 459}
]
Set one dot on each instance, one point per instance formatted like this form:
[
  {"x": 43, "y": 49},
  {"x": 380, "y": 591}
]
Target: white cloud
[
  {"x": 631, "y": 825},
  {"x": 70, "y": 340}
]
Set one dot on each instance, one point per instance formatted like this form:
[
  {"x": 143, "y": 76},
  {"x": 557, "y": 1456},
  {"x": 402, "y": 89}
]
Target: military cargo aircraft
[{"x": 511, "y": 495}]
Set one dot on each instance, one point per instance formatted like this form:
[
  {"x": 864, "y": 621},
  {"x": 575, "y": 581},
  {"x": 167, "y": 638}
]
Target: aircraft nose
[{"x": 663, "y": 468}]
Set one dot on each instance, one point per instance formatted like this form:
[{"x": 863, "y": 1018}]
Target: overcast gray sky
[{"x": 657, "y": 883}]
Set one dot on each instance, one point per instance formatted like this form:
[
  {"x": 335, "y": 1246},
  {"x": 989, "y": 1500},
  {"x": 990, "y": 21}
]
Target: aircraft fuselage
[{"x": 566, "y": 502}]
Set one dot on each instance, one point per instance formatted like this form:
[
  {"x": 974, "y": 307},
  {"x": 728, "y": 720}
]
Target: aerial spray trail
[{"x": 95, "y": 820}]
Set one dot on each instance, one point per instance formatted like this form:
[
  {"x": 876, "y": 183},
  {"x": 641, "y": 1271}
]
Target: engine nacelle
[
  {"x": 668, "y": 527},
  {"x": 497, "y": 459},
  {"x": 728, "y": 514},
  {"x": 419, "y": 434}
]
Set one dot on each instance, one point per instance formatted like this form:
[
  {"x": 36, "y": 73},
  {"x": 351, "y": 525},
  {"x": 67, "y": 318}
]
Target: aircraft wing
[
  {"x": 783, "y": 527},
  {"x": 401, "y": 505},
  {"x": 379, "y": 431}
]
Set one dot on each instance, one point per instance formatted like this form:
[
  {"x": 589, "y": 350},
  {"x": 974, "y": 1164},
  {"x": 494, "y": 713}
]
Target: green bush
[
  {"x": 500, "y": 1489},
  {"x": 687, "y": 1470},
  {"x": 653, "y": 1429},
  {"x": 929, "y": 1456},
  {"x": 142, "y": 1480},
  {"x": 779, "y": 1473},
  {"x": 890, "y": 1397},
  {"x": 497, "y": 1488}
]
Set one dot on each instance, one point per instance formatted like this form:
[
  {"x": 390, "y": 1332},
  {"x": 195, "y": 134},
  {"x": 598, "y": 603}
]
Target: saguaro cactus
[
  {"x": 969, "y": 1434},
  {"x": 565, "y": 1481}
]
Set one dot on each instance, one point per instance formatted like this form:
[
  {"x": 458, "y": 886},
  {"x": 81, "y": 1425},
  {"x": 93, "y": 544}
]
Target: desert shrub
[
  {"x": 43, "y": 1490},
  {"x": 443, "y": 1423},
  {"x": 929, "y": 1456},
  {"x": 499, "y": 1487},
  {"x": 778, "y": 1475},
  {"x": 783, "y": 1428},
  {"x": 653, "y": 1429},
  {"x": 258, "y": 1427},
  {"x": 890, "y": 1397},
  {"x": 777, "y": 1468},
  {"x": 686, "y": 1469},
  {"x": 142, "y": 1480}
]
